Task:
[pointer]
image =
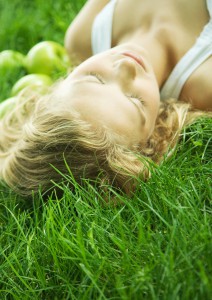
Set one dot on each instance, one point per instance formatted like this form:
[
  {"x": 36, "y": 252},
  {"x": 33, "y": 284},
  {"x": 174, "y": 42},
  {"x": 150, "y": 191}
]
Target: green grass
[{"x": 157, "y": 245}]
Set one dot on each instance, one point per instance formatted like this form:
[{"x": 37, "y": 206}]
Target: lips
[{"x": 135, "y": 57}]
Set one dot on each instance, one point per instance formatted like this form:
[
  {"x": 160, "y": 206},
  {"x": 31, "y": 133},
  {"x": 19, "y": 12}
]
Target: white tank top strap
[
  {"x": 101, "y": 34},
  {"x": 199, "y": 52},
  {"x": 209, "y": 6}
]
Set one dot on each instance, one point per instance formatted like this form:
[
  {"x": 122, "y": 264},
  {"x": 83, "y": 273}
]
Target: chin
[{"x": 132, "y": 47}]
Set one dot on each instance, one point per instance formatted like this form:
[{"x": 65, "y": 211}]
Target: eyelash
[
  {"x": 131, "y": 96},
  {"x": 97, "y": 76},
  {"x": 134, "y": 96}
]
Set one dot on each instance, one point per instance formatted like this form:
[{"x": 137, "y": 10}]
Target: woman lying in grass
[{"x": 113, "y": 114}]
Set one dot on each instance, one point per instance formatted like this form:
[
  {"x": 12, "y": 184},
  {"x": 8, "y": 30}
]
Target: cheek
[
  {"x": 94, "y": 62},
  {"x": 152, "y": 97}
]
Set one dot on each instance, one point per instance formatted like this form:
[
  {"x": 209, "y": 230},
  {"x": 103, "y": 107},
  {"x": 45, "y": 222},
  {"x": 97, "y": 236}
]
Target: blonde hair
[{"x": 39, "y": 142}]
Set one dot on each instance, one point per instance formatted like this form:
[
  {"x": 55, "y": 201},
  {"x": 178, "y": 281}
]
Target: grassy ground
[{"x": 158, "y": 245}]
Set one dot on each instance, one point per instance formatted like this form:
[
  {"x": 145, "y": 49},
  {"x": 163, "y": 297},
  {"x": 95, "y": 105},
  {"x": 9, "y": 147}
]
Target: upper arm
[
  {"x": 197, "y": 88},
  {"x": 78, "y": 34}
]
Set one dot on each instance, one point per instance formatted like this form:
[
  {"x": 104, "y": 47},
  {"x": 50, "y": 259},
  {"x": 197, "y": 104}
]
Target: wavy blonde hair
[{"x": 39, "y": 142}]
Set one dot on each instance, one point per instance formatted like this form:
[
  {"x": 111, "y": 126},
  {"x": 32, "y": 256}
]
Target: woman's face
[{"x": 116, "y": 89}]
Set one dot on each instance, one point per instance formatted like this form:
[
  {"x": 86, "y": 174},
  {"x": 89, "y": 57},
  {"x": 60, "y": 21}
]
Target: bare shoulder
[
  {"x": 198, "y": 88},
  {"x": 78, "y": 34}
]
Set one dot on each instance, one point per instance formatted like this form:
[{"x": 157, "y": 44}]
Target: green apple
[
  {"x": 6, "y": 106},
  {"x": 11, "y": 60},
  {"x": 47, "y": 57},
  {"x": 39, "y": 82}
]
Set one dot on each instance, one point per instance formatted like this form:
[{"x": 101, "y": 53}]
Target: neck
[{"x": 160, "y": 59}]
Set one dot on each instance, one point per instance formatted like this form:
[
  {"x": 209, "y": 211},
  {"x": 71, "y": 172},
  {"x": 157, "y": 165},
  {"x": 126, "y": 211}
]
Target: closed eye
[
  {"x": 135, "y": 97},
  {"x": 96, "y": 75},
  {"x": 101, "y": 80}
]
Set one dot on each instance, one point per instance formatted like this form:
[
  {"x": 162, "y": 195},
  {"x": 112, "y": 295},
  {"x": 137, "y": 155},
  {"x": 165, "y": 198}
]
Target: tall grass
[{"x": 156, "y": 245}]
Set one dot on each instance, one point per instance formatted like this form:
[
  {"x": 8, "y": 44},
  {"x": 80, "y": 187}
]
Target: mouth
[{"x": 136, "y": 58}]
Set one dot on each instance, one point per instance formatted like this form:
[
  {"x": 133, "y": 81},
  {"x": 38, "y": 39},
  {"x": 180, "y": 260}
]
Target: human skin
[
  {"x": 166, "y": 29},
  {"x": 118, "y": 90}
]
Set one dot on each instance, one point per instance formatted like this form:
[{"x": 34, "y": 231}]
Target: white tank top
[{"x": 199, "y": 52}]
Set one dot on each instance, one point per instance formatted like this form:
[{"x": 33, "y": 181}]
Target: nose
[{"x": 125, "y": 68}]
